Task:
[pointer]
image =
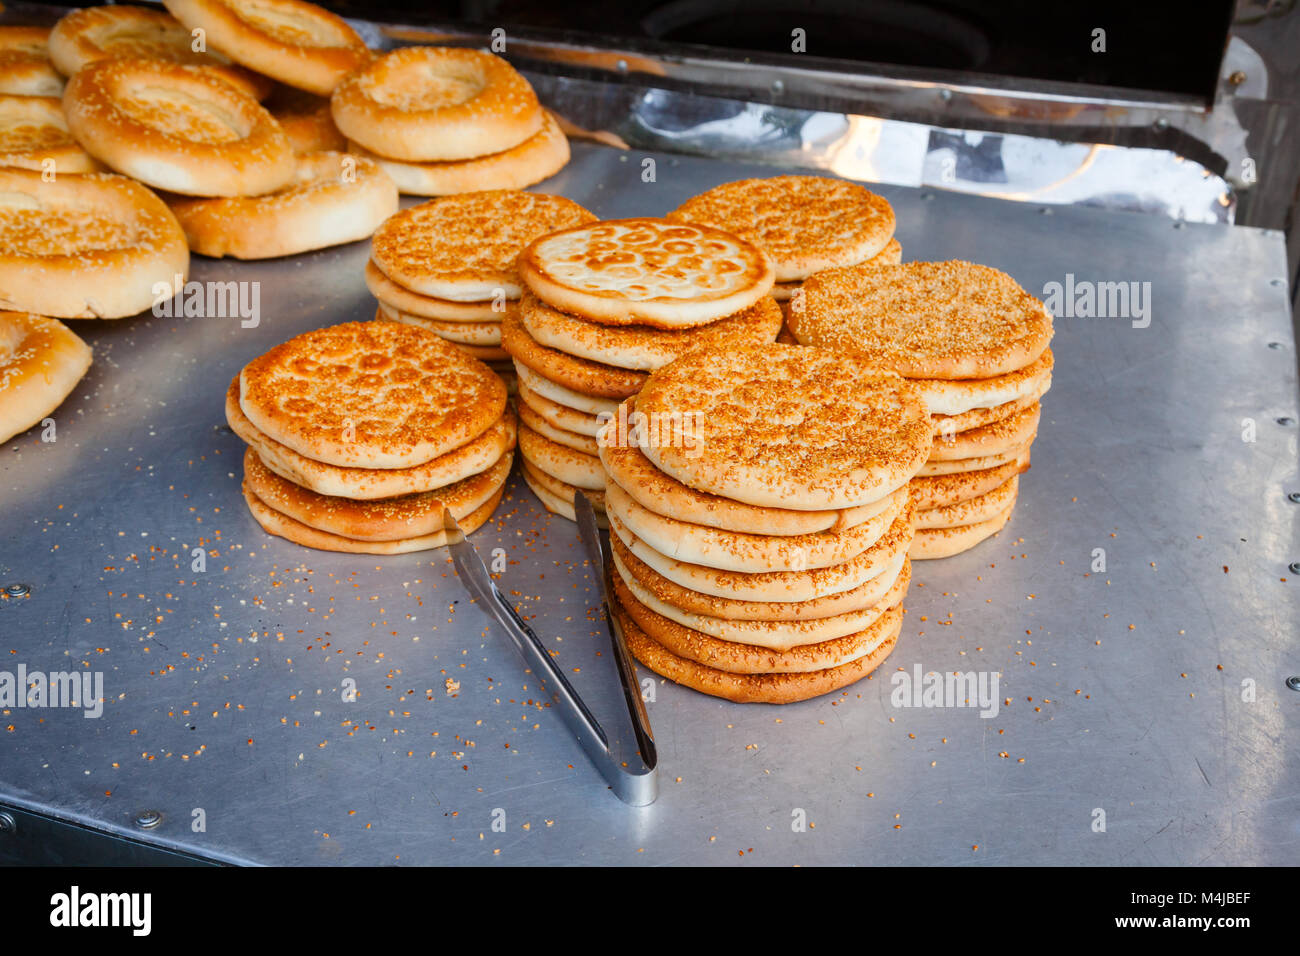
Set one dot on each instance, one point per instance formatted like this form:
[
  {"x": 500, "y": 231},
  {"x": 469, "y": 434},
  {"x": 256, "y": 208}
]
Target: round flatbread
[
  {"x": 804, "y": 223},
  {"x": 365, "y": 484},
  {"x": 306, "y": 120},
  {"x": 464, "y": 248},
  {"x": 971, "y": 511},
  {"x": 785, "y": 426},
  {"x": 646, "y": 272},
  {"x": 89, "y": 34},
  {"x": 929, "y": 543},
  {"x": 1019, "y": 456},
  {"x": 423, "y": 103},
  {"x": 571, "y": 466},
  {"x": 297, "y": 43},
  {"x": 559, "y": 416},
  {"x": 41, "y": 362},
  {"x": 577, "y": 374},
  {"x": 575, "y": 440},
  {"x": 560, "y": 502},
  {"x": 936, "y": 491},
  {"x": 995, "y": 439},
  {"x": 34, "y": 135},
  {"x": 590, "y": 404},
  {"x": 370, "y": 395},
  {"x": 333, "y": 199},
  {"x": 642, "y": 347},
  {"x": 539, "y": 157},
  {"x": 979, "y": 417},
  {"x": 481, "y": 334},
  {"x": 407, "y": 302},
  {"x": 787, "y": 586},
  {"x": 935, "y": 320},
  {"x": 178, "y": 128},
  {"x": 948, "y": 397},
  {"x": 85, "y": 247},
  {"x": 274, "y": 522},
  {"x": 25, "y": 67},
  {"x": 782, "y": 688}
]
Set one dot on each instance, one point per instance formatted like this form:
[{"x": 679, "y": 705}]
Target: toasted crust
[
  {"x": 333, "y": 199},
  {"x": 85, "y": 247},
  {"x": 785, "y": 426},
  {"x": 591, "y": 404},
  {"x": 571, "y": 466},
  {"x": 780, "y": 688},
  {"x": 949, "y": 397},
  {"x": 367, "y": 484},
  {"x": 560, "y": 503},
  {"x": 931, "y": 543},
  {"x": 750, "y": 553},
  {"x": 569, "y": 439},
  {"x": 464, "y": 248},
  {"x": 787, "y": 586},
  {"x": 306, "y": 120},
  {"x": 640, "y": 347},
  {"x": 891, "y": 255},
  {"x": 371, "y": 395},
  {"x": 804, "y": 223},
  {"x": 867, "y": 594},
  {"x": 404, "y": 300},
  {"x": 971, "y": 511},
  {"x": 84, "y": 36},
  {"x": 753, "y": 641},
  {"x": 994, "y": 439},
  {"x": 422, "y": 103},
  {"x": 178, "y": 128},
  {"x": 539, "y": 157},
  {"x": 646, "y": 272},
  {"x": 386, "y": 519},
  {"x": 1018, "y": 455},
  {"x": 937, "y": 320},
  {"x": 979, "y": 417},
  {"x": 936, "y": 491},
  {"x": 484, "y": 353},
  {"x": 462, "y": 333},
  {"x": 559, "y": 416},
  {"x": 34, "y": 135},
  {"x": 297, "y": 43},
  {"x": 628, "y": 467},
  {"x": 273, "y": 522},
  {"x": 25, "y": 67},
  {"x": 577, "y": 374},
  {"x": 41, "y": 362}
]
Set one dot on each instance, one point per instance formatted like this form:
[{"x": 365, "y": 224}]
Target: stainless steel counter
[{"x": 225, "y": 689}]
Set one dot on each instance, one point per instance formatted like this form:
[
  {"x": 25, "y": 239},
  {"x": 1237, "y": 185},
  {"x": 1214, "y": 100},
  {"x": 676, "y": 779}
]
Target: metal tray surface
[{"x": 1122, "y": 732}]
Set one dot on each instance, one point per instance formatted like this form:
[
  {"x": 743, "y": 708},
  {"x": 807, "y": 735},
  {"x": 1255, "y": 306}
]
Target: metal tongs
[{"x": 629, "y": 763}]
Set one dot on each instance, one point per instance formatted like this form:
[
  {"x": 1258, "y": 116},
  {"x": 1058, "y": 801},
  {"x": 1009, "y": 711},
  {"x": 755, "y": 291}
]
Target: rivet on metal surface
[
  {"x": 621, "y": 66},
  {"x": 1293, "y": 683},
  {"x": 1045, "y": 211},
  {"x": 1294, "y": 567},
  {"x": 148, "y": 819},
  {"x": 18, "y": 590},
  {"x": 7, "y": 823},
  {"x": 1294, "y": 497},
  {"x": 1237, "y": 77},
  {"x": 1275, "y": 282},
  {"x": 1284, "y": 420},
  {"x": 945, "y": 95},
  {"x": 1275, "y": 345},
  {"x": 1161, "y": 124},
  {"x": 927, "y": 196},
  {"x": 1178, "y": 224},
  {"x": 778, "y": 87}
]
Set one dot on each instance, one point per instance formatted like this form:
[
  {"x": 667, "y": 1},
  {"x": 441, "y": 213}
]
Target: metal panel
[{"x": 225, "y": 689}]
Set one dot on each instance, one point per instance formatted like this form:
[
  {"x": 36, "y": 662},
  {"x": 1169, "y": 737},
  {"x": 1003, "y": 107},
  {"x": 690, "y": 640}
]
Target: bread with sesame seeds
[
  {"x": 891, "y": 255},
  {"x": 333, "y": 199},
  {"x": 34, "y": 135},
  {"x": 88, "y": 34},
  {"x": 578, "y": 374},
  {"x": 25, "y": 67},
  {"x": 935, "y": 491},
  {"x": 464, "y": 248},
  {"x": 84, "y": 247},
  {"x": 930, "y": 543},
  {"x": 539, "y": 157},
  {"x": 589, "y": 404},
  {"x": 402, "y": 299},
  {"x": 571, "y": 466},
  {"x": 749, "y": 688},
  {"x": 297, "y": 43},
  {"x": 423, "y": 103},
  {"x": 1019, "y": 455},
  {"x": 559, "y": 416},
  {"x": 784, "y": 426},
  {"x": 646, "y": 272},
  {"x": 462, "y": 333},
  {"x": 178, "y": 128},
  {"x": 804, "y": 223},
  {"x": 996, "y": 438},
  {"x": 575, "y": 440},
  {"x": 370, "y": 395},
  {"x": 41, "y": 362},
  {"x": 558, "y": 496},
  {"x": 958, "y": 396},
  {"x": 972, "y": 510},
  {"x": 365, "y": 484}
]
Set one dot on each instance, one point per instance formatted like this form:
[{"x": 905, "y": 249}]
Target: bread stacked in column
[
  {"x": 447, "y": 120},
  {"x": 760, "y": 520},
  {"x": 361, "y": 436},
  {"x": 448, "y": 265},
  {"x": 975, "y": 345},
  {"x": 804, "y": 224},
  {"x": 605, "y": 305}
]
